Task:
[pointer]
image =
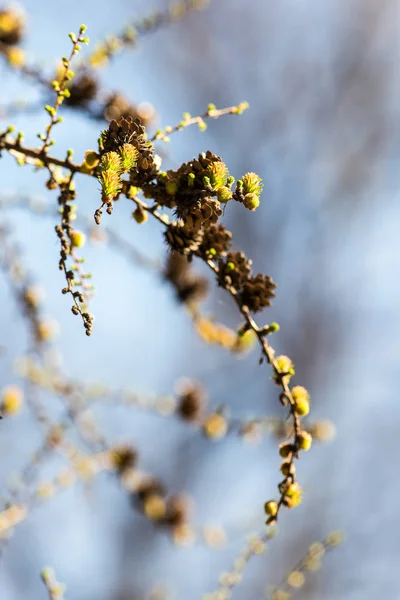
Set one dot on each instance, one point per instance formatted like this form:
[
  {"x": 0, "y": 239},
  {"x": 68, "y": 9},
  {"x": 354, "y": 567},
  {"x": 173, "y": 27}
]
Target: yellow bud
[
  {"x": 47, "y": 330},
  {"x": 224, "y": 194},
  {"x": 251, "y": 201},
  {"x": 12, "y": 400},
  {"x": 316, "y": 550},
  {"x": 171, "y": 187},
  {"x": 287, "y": 468},
  {"x": 33, "y": 295},
  {"x": 301, "y": 399},
  {"x": 281, "y": 595},
  {"x": 293, "y": 490},
  {"x": 183, "y": 535},
  {"x": 140, "y": 215},
  {"x": 285, "y": 449},
  {"x": 271, "y": 508},
  {"x": 154, "y": 507},
  {"x": 296, "y": 579},
  {"x": 46, "y": 490},
  {"x": 78, "y": 239},
  {"x": 16, "y": 57},
  {"x": 293, "y": 495},
  {"x": 92, "y": 159},
  {"x": 299, "y": 392},
  {"x": 305, "y": 440},
  {"x": 302, "y": 407},
  {"x": 215, "y": 426},
  {"x": 284, "y": 366},
  {"x": 334, "y": 539}
]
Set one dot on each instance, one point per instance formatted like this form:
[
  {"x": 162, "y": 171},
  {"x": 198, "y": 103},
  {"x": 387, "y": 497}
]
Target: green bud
[
  {"x": 241, "y": 107},
  {"x": 111, "y": 161},
  {"x": 133, "y": 191},
  {"x": 111, "y": 185},
  {"x": 202, "y": 125},
  {"x": 252, "y": 184},
  {"x": 251, "y": 201},
  {"x": 171, "y": 187},
  {"x": 218, "y": 174},
  {"x": 50, "y": 109},
  {"x": 129, "y": 155},
  {"x": 140, "y": 215},
  {"x": 224, "y": 194}
]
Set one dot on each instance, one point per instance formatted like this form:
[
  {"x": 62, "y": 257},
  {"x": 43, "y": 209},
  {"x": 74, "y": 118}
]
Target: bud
[
  {"x": 91, "y": 159},
  {"x": 224, "y": 194},
  {"x": 301, "y": 400},
  {"x": 111, "y": 185},
  {"x": 47, "y": 330},
  {"x": 305, "y": 440},
  {"x": 271, "y": 508},
  {"x": 140, "y": 215},
  {"x": 111, "y": 161},
  {"x": 11, "y": 400},
  {"x": 252, "y": 184},
  {"x": 217, "y": 173},
  {"x": 154, "y": 507},
  {"x": 296, "y": 579},
  {"x": 78, "y": 239},
  {"x": 286, "y": 449},
  {"x": 285, "y": 368},
  {"x": 129, "y": 155},
  {"x": 293, "y": 495},
  {"x": 284, "y": 363},
  {"x": 287, "y": 468},
  {"x": 215, "y": 426},
  {"x": 171, "y": 187},
  {"x": 334, "y": 539},
  {"x": 15, "y": 56},
  {"x": 251, "y": 201}
]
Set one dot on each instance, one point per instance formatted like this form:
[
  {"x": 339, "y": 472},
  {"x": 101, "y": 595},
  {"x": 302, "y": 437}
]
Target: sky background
[{"x": 322, "y": 131}]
